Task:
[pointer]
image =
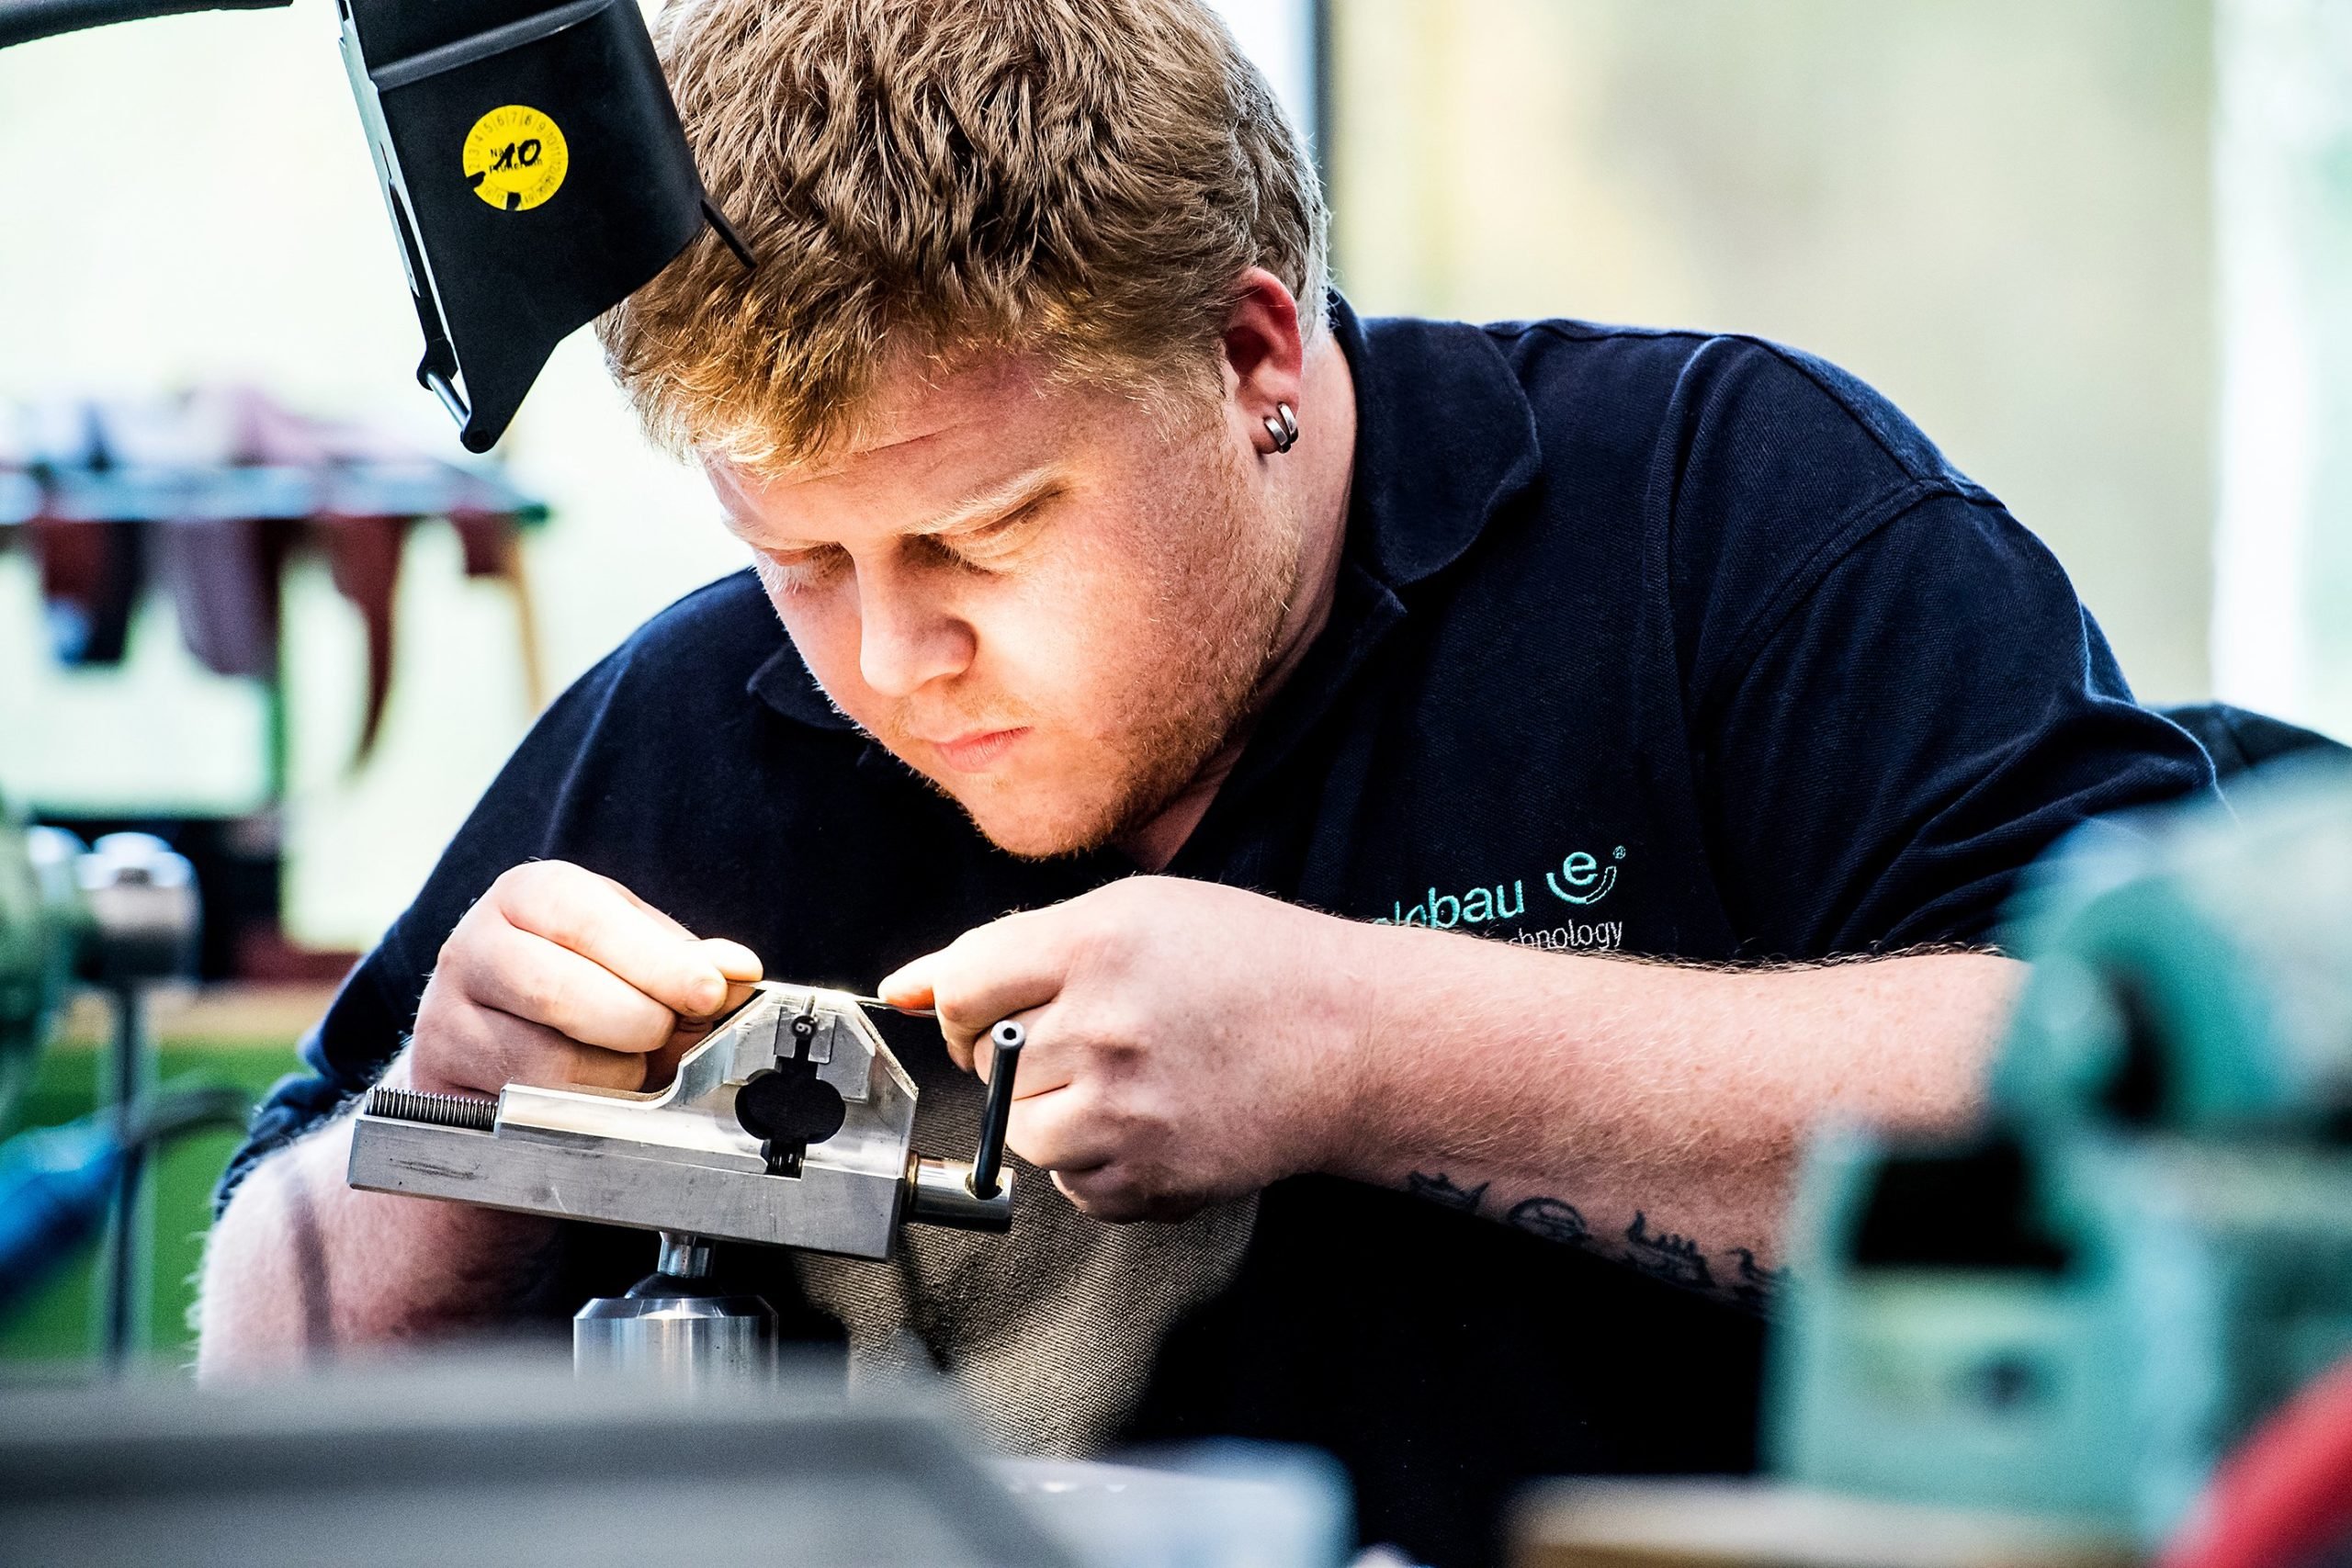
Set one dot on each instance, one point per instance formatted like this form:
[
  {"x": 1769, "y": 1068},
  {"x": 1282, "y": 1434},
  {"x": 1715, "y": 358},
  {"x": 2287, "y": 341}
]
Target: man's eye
[
  {"x": 993, "y": 545},
  {"x": 795, "y": 570}
]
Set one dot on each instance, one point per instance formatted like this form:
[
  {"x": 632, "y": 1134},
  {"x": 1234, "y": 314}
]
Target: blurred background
[{"x": 2096, "y": 248}]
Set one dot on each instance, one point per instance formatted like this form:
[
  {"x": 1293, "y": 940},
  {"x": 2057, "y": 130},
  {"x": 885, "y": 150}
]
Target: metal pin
[{"x": 893, "y": 1007}]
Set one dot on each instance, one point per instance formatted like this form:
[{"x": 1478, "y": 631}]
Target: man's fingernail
[{"x": 735, "y": 960}]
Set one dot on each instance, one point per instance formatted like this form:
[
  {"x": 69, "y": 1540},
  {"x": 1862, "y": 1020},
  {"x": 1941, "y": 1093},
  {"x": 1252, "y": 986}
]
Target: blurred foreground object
[
  {"x": 1216, "y": 1504},
  {"x": 2148, "y": 1248},
  {"x": 487, "y": 1462},
  {"x": 1720, "y": 1523},
  {"x": 2286, "y": 1497},
  {"x": 516, "y": 1462}
]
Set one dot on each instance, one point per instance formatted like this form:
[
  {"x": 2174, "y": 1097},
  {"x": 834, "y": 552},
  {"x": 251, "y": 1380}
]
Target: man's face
[{"x": 1050, "y": 603}]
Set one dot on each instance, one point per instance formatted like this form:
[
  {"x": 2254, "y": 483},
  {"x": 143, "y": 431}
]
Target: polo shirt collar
[
  {"x": 784, "y": 684},
  {"x": 1444, "y": 438}
]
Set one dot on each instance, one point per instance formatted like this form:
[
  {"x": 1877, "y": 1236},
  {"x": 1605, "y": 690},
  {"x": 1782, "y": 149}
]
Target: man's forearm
[
  {"x": 301, "y": 1265},
  {"x": 1650, "y": 1113}
]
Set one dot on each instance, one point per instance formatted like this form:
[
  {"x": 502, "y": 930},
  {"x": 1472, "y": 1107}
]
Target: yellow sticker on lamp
[{"x": 515, "y": 158}]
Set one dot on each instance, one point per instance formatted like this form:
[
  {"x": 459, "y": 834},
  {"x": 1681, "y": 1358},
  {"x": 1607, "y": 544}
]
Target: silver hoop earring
[{"x": 1285, "y": 431}]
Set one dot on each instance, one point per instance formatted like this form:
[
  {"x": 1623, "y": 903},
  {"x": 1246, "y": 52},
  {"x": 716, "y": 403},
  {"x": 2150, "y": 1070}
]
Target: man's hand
[
  {"x": 1191, "y": 1042},
  {"x": 559, "y": 976},
  {"x": 1187, "y": 1042},
  {"x": 555, "y": 976}
]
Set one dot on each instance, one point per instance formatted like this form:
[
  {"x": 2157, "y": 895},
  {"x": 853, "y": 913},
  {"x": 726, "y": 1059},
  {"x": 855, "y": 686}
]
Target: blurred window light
[
  {"x": 1281, "y": 35},
  {"x": 2282, "y": 546}
]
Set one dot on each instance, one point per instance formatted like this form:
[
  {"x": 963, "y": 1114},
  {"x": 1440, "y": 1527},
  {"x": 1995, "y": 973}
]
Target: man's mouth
[{"x": 976, "y": 751}]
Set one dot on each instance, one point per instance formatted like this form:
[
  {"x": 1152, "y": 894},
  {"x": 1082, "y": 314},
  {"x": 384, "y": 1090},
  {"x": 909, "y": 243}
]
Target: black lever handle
[{"x": 988, "y": 1160}]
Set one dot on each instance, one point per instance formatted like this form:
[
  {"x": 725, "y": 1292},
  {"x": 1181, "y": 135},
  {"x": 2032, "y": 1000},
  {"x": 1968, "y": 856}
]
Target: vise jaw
[{"x": 791, "y": 1125}]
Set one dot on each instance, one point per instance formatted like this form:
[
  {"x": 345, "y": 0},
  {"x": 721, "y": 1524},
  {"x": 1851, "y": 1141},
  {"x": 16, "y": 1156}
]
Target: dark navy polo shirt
[{"x": 1645, "y": 642}]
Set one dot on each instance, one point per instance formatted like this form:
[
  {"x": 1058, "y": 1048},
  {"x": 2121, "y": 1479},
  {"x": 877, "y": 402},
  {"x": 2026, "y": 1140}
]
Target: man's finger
[
  {"x": 592, "y": 916},
  {"x": 499, "y": 1049},
  {"x": 659, "y": 916},
  {"x": 521, "y": 973},
  {"x": 908, "y": 986},
  {"x": 992, "y": 972},
  {"x": 1061, "y": 1129},
  {"x": 1116, "y": 1194},
  {"x": 662, "y": 1065},
  {"x": 1096, "y": 1192},
  {"x": 735, "y": 960},
  {"x": 739, "y": 964}
]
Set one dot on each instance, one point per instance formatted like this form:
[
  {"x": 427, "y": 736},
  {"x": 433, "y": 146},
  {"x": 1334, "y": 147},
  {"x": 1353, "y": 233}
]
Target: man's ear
[{"x": 1265, "y": 360}]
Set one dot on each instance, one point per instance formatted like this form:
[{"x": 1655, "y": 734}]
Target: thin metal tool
[{"x": 893, "y": 1007}]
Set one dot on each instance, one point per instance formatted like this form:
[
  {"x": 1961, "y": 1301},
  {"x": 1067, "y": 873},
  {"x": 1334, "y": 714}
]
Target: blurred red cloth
[
  {"x": 97, "y": 543},
  {"x": 2285, "y": 1498}
]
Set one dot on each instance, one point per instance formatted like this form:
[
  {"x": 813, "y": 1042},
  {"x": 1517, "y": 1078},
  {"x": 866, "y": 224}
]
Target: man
[{"x": 1514, "y": 723}]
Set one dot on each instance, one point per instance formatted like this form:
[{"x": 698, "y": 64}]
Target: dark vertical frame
[{"x": 1320, "y": 74}]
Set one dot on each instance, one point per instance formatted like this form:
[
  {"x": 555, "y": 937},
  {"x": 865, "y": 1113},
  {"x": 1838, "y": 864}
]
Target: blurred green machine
[
  {"x": 2148, "y": 1246},
  {"x": 121, "y": 914},
  {"x": 41, "y": 920}
]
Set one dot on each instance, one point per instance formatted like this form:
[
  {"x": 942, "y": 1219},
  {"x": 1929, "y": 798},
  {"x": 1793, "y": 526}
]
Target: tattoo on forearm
[
  {"x": 1757, "y": 1285},
  {"x": 1439, "y": 1188},
  {"x": 1666, "y": 1255},
  {"x": 1551, "y": 1218},
  {"x": 1662, "y": 1255}
]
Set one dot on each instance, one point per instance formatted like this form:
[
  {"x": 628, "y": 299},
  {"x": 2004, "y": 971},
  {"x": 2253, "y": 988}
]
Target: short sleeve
[{"x": 1902, "y": 738}]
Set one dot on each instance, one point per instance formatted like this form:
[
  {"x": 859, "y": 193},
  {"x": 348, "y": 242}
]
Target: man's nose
[{"x": 906, "y": 638}]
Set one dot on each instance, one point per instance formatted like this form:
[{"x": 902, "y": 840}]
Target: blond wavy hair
[{"x": 1080, "y": 181}]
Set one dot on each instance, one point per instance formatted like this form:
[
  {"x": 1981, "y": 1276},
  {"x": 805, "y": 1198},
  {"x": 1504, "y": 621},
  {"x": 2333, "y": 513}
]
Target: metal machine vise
[{"x": 791, "y": 1125}]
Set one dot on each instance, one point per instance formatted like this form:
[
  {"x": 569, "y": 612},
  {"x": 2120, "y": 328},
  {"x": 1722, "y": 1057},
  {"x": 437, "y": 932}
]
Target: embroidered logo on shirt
[
  {"x": 1578, "y": 871},
  {"x": 1581, "y": 880}
]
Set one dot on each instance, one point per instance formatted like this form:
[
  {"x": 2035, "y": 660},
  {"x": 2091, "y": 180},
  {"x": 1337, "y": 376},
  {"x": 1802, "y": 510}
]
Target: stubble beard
[
  {"x": 1233, "y": 646},
  {"x": 1213, "y": 635}
]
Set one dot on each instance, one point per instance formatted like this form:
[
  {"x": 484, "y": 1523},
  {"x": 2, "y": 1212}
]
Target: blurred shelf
[{"x": 232, "y": 1013}]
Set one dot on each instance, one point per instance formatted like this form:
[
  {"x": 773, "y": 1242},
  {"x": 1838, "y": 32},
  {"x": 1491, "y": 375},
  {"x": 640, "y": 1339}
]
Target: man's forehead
[
  {"x": 917, "y": 405},
  {"x": 921, "y": 402},
  {"x": 935, "y": 453}
]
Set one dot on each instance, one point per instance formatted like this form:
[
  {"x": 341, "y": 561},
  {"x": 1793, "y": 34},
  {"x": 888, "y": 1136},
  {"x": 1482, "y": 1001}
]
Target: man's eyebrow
[{"x": 995, "y": 501}]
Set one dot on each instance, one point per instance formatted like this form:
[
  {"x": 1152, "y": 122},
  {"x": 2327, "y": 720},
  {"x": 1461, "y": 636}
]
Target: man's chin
[
  {"x": 1076, "y": 814},
  {"x": 1029, "y": 834},
  {"x": 1028, "y": 828}
]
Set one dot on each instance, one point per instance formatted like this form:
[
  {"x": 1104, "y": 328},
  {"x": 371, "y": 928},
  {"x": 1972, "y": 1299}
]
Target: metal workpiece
[
  {"x": 791, "y": 1125},
  {"x": 684, "y": 1255},
  {"x": 941, "y": 1193}
]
